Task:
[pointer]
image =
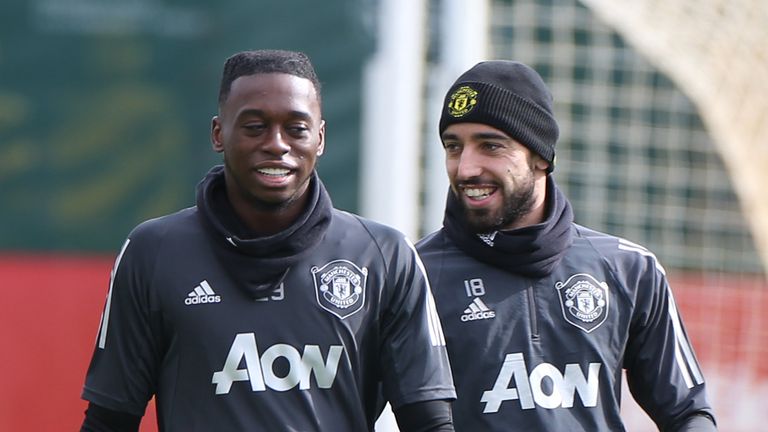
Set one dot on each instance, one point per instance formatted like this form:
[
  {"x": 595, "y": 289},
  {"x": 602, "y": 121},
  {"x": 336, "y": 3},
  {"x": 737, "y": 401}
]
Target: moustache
[{"x": 475, "y": 181}]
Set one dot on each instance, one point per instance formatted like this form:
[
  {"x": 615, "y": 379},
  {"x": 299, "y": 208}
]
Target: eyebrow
[
  {"x": 301, "y": 115},
  {"x": 478, "y": 136}
]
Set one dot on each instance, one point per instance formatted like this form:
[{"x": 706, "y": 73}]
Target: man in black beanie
[{"x": 542, "y": 315}]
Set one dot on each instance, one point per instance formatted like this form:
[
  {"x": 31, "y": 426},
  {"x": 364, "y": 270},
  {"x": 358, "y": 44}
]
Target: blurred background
[{"x": 105, "y": 110}]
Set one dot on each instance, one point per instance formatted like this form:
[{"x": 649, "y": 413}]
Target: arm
[
  {"x": 100, "y": 419},
  {"x": 129, "y": 348},
  {"x": 414, "y": 356},
  {"x": 698, "y": 422},
  {"x": 663, "y": 373},
  {"x": 427, "y": 416}
]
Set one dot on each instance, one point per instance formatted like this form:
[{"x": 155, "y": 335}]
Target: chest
[
  {"x": 577, "y": 313},
  {"x": 319, "y": 293}
]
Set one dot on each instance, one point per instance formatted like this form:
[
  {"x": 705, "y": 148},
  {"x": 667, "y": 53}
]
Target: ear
[
  {"x": 216, "y": 142},
  {"x": 539, "y": 163},
  {"x": 321, "y": 145}
]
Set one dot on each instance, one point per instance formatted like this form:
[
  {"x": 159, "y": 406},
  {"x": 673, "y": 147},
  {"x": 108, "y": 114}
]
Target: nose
[
  {"x": 275, "y": 144},
  {"x": 468, "y": 165}
]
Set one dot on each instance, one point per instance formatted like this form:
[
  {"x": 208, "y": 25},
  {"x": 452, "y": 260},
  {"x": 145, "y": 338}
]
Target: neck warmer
[
  {"x": 531, "y": 251},
  {"x": 259, "y": 264}
]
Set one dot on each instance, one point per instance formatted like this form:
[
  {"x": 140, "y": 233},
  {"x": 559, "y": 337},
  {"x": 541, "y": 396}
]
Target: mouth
[
  {"x": 274, "y": 172},
  {"x": 274, "y": 177},
  {"x": 478, "y": 193}
]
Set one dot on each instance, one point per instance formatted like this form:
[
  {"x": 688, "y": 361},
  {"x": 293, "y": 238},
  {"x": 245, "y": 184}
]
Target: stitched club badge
[
  {"x": 340, "y": 287},
  {"x": 462, "y": 101},
  {"x": 584, "y": 301}
]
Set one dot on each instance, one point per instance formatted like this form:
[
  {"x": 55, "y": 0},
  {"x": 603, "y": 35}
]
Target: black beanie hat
[{"x": 509, "y": 96}]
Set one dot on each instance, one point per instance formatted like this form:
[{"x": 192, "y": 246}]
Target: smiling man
[
  {"x": 263, "y": 308},
  {"x": 541, "y": 315}
]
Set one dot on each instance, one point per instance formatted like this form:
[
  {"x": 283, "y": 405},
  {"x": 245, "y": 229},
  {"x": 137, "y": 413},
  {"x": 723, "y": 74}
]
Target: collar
[
  {"x": 259, "y": 264},
  {"x": 531, "y": 251}
]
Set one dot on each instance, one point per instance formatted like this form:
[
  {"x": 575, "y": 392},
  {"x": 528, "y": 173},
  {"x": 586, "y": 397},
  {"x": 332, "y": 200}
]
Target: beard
[{"x": 515, "y": 205}]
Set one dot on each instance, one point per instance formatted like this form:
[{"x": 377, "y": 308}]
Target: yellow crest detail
[{"x": 462, "y": 101}]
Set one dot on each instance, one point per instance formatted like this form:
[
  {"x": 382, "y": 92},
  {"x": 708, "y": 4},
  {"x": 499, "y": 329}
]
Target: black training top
[
  {"x": 541, "y": 344},
  {"x": 352, "y": 318}
]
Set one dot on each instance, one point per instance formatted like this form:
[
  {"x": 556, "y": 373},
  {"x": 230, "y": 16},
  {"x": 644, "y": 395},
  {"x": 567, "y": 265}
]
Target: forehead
[
  {"x": 468, "y": 131},
  {"x": 272, "y": 91}
]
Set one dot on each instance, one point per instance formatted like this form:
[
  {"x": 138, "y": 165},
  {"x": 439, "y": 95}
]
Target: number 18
[{"x": 474, "y": 287}]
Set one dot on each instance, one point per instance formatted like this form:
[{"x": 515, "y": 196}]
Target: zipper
[{"x": 532, "y": 314}]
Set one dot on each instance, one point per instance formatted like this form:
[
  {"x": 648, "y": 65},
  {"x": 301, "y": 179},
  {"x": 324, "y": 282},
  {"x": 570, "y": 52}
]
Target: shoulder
[
  {"x": 381, "y": 243},
  {"x": 376, "y": 231},
  {"x": 621, "y": 255},
  {"x": 147, "y": 248},
  {"x": 435, "y": 241},
  {"x": 431, "y": 240},
  {"x": 150, "y": 234}
]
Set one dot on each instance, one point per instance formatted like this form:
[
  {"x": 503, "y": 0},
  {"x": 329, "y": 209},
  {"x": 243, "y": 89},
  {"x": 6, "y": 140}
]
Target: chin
[
  {"x": 270, "y": 202},
  {"x": 481, "y": 221}
]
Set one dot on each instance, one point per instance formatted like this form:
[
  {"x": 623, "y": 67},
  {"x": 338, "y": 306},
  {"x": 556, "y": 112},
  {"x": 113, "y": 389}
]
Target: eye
[
  {"x": 298, "y": 130},
  {"x": 451, "y": 147},
  {"x": 254, "y": 127},
  {"x": 491, "y": 146}
]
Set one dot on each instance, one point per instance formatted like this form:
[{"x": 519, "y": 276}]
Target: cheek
[
  {"x": 451, "y": 165},
  {"x": 307, "y": 155},
  {"x": 518, "y": 175},
  {"x": 516, "y": 167}
]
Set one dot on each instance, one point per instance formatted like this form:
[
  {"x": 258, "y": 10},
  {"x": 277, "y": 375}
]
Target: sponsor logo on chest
[
  {"x": 546, "y": 386},
  {"x": 245, "y": 363}
]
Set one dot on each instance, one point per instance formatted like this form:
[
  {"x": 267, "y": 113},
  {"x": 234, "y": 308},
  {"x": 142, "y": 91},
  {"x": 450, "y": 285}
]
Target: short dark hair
[{"x": 247, "y": 63}]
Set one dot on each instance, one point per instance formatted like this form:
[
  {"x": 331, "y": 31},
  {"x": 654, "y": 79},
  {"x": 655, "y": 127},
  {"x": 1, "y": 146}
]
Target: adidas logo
[
  {"x": 488, "y": 238},
  {"x": 477, "y": 310},
  {"x": 202, "y": 293}
]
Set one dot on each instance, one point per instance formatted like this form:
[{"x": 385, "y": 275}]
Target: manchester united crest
[
  {"x": 462, "y": 101},
  {"x": 584, "y": 301},
  {"x": 340, "y": 287}
]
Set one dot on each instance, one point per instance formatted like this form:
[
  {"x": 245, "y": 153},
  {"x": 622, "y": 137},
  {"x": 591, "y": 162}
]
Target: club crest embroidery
[
  {"x": 462, "y": 101},
  {"x": 584, "y": 301},
  {"x": 340, "y": 287}
]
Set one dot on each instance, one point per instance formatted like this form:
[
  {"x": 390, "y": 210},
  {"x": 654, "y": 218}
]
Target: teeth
[
  {"x": 477, "y": 192},
  {"x": 274, "y": 171}
]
